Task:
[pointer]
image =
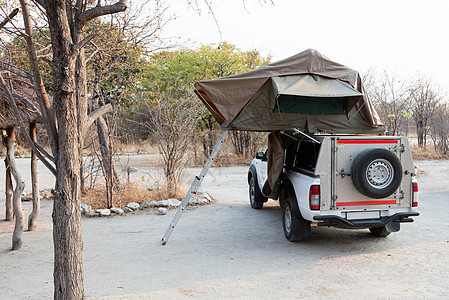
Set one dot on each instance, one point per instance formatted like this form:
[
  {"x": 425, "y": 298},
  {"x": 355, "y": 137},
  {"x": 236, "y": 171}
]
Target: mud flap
[
  {"x": 393, "y": 227},
  {"x": 302, "y": 230}
]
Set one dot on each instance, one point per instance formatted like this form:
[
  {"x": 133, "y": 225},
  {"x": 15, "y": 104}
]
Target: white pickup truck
[{"x": 342, "y": 181}]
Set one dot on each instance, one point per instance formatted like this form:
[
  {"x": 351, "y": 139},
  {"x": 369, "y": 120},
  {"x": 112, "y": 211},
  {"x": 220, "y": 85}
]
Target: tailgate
[{"x": 382, "y": 182}]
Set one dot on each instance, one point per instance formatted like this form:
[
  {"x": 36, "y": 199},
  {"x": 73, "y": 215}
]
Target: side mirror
[{"x": 260, "y": 155}]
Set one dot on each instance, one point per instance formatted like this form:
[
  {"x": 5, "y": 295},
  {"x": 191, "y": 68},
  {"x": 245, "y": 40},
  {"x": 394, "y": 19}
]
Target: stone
[
  {"x": 174, "y": 202},
  {"x": 90, "y": 214},
  {"x": 161, "y": 211},
  {"x": 25, "y": 199},
  {"x": 105, "y": 212},
  {"x": 207, "y": 197},
  {"x": 133, "y": 205},
  {"x": 164, "y": 203},
  {"x": 193, "y": 201},
  {"x": 127, "y": 209},
  {"x": 153, "y": 203},
  {"x": 117, "y": 210},
  {"x": 85, "y": 208},
  {"x": 145, "y": 205}
]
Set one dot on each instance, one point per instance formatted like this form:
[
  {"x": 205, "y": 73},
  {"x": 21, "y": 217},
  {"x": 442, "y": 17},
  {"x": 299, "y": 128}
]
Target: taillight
[
  {"x": 415, "y": 194},
  {"x": 314, "y": 197}
]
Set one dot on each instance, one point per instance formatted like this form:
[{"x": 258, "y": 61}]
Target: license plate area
[{"x": 361, "y": 215}]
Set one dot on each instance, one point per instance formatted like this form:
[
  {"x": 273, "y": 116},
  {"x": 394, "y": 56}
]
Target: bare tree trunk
[
  {"x": 106, "y": 159},
  {"x": 68, "y": 271},
  {"x": 32, "y": 219},
  {"x": 8, "y": 191},
  {"x": 20, "y": 185}
]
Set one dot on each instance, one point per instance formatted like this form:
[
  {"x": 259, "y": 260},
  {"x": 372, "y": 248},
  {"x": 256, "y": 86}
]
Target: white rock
[
  {"x": 127, "y": 209},
  {"x": 153, "y": 203},
  {"x": 161, "y": 210},
  {"x": 117, "y": 210},
  {"x": 85, "y": 208},
  {"x": 207, "y": 197},
  {"x": 144, "y": 205},
  {"x": 174, "y": 202},
  {"x": 193, "y": 201},
  {"x": 133, "y": 205},
  {"x": 164, "y": 203},
  {"x": 105, "y": 212}
]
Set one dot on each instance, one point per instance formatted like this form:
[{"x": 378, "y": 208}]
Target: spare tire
[{"x": 376, "y": 173}]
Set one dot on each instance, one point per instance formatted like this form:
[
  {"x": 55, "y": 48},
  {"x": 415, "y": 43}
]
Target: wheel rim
[
  {"x": 380, "y": 173},
  {"x": 287, "y": 219}
]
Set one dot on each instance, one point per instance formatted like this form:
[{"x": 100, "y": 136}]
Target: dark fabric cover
[{"x": 252, "y": 100}]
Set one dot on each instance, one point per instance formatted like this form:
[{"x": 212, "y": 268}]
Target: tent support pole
[{"x": 194, "y": 187}]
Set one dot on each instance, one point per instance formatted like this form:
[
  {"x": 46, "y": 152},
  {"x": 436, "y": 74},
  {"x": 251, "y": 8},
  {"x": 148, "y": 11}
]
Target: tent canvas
[{"x": 306, "y": 91}]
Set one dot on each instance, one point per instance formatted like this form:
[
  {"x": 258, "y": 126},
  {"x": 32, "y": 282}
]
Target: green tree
[{"x": 176, "y": 71}]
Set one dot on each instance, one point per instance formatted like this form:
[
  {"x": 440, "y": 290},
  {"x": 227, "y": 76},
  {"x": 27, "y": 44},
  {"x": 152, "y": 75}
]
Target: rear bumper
[{"x": 337, "y": 221}]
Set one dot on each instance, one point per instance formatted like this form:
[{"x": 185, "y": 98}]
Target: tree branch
[
  {"x": 22, "y": 126},
  {"x": 9, "y": 18},
  {"x": 99, "y": 11},
  {"x": 41, "y": 3},
  {"x": 38, "y": 83},
  {"x": 95, "y": 115},
  {"x": 77, "y": 47}
]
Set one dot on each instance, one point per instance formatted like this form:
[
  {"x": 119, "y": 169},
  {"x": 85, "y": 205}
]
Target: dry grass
[
  {"x": 131, "y": 192},
  {"x": 18, "y": 150},
  {"x": 426, "y": 153},
  {"x": 140, "y": 147}
]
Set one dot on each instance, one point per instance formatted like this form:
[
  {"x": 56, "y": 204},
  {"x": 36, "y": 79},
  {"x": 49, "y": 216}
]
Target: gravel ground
[{"x": 227, "y": 249}]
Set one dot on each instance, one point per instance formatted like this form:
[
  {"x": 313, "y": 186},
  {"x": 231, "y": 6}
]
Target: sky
[{"x": 405, "y": 38}]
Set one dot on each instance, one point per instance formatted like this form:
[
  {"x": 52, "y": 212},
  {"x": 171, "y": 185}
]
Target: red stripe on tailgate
[
  {"x": 367, "y": 141},
  {"x": 381, "y": 202}
]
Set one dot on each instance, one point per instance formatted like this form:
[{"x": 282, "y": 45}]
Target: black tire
[
  {"x": 256, "y": 199},
  {"x": 379, "y": 231},
  {"x": 294, "y": 225},
  {"x": 376, "y": 173}
]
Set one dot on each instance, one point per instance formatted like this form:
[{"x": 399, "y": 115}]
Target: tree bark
[
  {"x": 32, "y": 219},
  {"x": 8, "y": 190},
  {"x": 68, "y": 271},
  {"x": 20, "y": 185},
  {"x": 106, "y": 159}
]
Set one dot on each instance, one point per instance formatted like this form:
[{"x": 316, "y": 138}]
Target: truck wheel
[
  {"x": 379, "y": 231},
  {"x": 255, "y": 195},
  {"x": 376, "y": 173},
  {"x": 295, "y": 227}
]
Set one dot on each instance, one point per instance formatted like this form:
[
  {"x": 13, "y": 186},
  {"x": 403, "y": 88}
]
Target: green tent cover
[{"x": 306, "y": 91}]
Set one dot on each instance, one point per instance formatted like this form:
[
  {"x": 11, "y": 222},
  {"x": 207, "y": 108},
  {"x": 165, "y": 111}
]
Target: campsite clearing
[{"x": 227, "y": 249}]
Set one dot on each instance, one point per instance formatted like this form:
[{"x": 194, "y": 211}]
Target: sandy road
[{"x": 228, "y": 250}]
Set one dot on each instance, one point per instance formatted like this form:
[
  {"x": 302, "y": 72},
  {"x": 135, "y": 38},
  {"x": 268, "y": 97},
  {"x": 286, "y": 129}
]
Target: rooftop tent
[{"x": 306, "y": 91}]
